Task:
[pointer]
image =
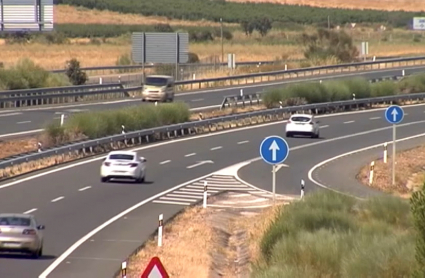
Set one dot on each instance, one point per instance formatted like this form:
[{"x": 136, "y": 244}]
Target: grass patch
[
  {"x": 333, "y": 235},
  {"x": 339, "y": 90},
  {"x": 103, "y": 123}
]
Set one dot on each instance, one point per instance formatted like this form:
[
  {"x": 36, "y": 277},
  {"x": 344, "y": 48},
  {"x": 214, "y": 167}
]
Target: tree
[
  {"x": 263, "y": 26},
  {"x": 417, "y": 202},
  {"x": 326, "y": 43},
  {"x": 248, "y": 27},
  {"x": 75, "y": 74}
]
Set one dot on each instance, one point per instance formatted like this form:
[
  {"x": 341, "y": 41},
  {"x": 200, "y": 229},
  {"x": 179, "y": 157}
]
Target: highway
[
  {"x": 72, "y": 202},
  {"x": 30, "y": 119}
]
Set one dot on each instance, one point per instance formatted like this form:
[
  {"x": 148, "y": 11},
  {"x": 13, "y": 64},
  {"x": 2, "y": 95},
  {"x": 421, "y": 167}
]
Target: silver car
[{"x": 21, "y": 233}]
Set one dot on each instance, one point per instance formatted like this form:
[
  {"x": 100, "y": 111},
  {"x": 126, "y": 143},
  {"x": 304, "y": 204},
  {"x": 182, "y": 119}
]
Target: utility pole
[{"x": 221, "y": 32}]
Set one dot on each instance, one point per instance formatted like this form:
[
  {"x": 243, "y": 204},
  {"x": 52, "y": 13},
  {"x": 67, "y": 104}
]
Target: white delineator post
[
  {"x": 62, "y": 119},
  {"x": 402, "y": 73},
  {"x": 302, "y": 188},
  {"x": 161, "y": 220},
  {"x": 241, "y": 92},
  {"x": 205, "y": 194},
  {"x": 100, "y": 80},
  {"x": 124, "y": 269},
  {"x": 385, "y": 152},
  {"x": 371, "y": 169}
]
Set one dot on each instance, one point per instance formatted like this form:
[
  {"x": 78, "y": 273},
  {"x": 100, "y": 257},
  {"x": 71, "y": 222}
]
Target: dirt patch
[
  {"x": 218, "y": 242},
  {"x": 410, "y": 173},
  {"x": 18, "y": 146}
]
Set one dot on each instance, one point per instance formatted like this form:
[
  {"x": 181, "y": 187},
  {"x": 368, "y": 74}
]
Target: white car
[
  {"x": 302, "y": 124},
  {"x": 123, "y": 165}
]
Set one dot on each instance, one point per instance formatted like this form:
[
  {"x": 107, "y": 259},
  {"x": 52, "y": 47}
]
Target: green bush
[
  {"x": 237, "y": 12},
  {"x": 27, "y": 75},
  {"x": 108, "y": 122},
  {"x": 339, "y": 90},
  {"x": 333, "y": 235}
]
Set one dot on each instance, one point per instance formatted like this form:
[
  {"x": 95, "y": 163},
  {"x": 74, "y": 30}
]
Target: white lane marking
[
  {"x": 165, "y": 162},
  {"x": 72, "y": 248},
  {"x": 216, "y": 148},
  {"x": 57, "y": 199},
  {"x": 177, "y": 199},
  {"x": 161, "y": 202},
  {"x": 29, "y": 211},
  {"x": 23, "y": 122},
  {"x": 243, "y": 142},
  {"x": 190, "y": 154},
  {"x": 374, "y": 118},
  {"x": 21, "y": 133},
  {"x": 181, "y": 195},
  {"x": 84, "y": 188},
  {"x": 198, "y": 99},
  {"x": 324, "y": 126},
  {"x": 200, "y": 163},
  {"x": 349, "y": 122},
  {"x": 321, "y": 164},
  {"x": 10, "y": 114}
]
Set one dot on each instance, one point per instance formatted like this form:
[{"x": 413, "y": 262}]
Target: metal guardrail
[
  {"x": 102, "y": 145},
  {"x": 200, "y": 65}
]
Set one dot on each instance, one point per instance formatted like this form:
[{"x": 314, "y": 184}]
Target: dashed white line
[
  {"x": 23, "y": 122},
  {"x": 374, "y": 118},
  {"x": 324, "y": 126},
  {"x": 190, "y": 154},
  {"x": 216, "y": 148},
  {"x": 198, "y": 99},
  {"x": 9, "y": 114},
  {"x": 349, "y": 122},
  {"x": 84, "y": 188},
  {"x": 165, "y": 162},
  {"x": 29, "y": 211},
  {"x": 57, "y": 199},
  {"x": 243, "y": 142}
]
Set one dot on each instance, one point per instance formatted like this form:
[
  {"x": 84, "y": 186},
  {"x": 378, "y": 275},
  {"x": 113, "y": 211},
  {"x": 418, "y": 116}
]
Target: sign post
[
  {"x": 274, "y": 150},
  {"x": 394, "y": 115}
]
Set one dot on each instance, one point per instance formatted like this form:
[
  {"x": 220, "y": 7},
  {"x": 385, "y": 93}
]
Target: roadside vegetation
[
  {"x": 96, "y": 124},
  {"x": 338, "y": 90},
  {"x": 333, "y": 235}
]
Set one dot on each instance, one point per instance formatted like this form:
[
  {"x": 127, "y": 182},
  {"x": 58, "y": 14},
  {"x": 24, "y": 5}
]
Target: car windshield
[
  {"x": 121, "y": 156},
  {"x": 300, "y": 119},
  {"x": 14, "y": 221},
  {"x": 156, "y": 81}
]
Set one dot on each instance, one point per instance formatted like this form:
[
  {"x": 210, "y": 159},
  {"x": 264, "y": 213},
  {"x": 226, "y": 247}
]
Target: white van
[{"x": 158, "y": 88}]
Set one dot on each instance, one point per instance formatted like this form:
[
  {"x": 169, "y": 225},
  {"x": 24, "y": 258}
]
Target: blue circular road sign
[
  {"x": 274, "y": 150},
  {"x": 394, "y": 114}
]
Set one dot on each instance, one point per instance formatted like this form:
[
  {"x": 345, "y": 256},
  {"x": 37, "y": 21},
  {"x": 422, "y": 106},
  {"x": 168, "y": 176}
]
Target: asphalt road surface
[
  {"x": 18, "y": 121},
  {"x": 72, "y": 202}
]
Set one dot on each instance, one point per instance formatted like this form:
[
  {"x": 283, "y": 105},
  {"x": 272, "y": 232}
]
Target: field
[
  {"x": 281, "y": 43},
  {"x": 386, "y": 5}
]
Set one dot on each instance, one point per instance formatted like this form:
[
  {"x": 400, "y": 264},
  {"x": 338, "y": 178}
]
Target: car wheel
[
  {"x": 103, "y": 179},
  {"x": 37, "y": 254}
]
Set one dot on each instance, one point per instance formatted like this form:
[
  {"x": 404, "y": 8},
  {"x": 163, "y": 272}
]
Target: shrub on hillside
[
  {"x": 108, "y": 122},
  {"x": 163, "y": 28},
  {"x": 262, "y": 25},
  {"x": 193, "y": 58},
  {"x": 334, "y": 235},
  {"x": 417, "y": 202},
  {"x": 124, "y": 60},
  {"x": 27, "y": 75},
  {"x": 75, "y": 74}
]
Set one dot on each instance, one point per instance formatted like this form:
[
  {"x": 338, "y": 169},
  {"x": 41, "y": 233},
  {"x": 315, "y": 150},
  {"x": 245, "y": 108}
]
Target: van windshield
[{"x": 156, "y": 81}]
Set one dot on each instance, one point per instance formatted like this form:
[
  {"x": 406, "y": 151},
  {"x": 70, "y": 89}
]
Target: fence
[
  {"x": 45, "y": 96},
  {"x": 101, "y": 145}
]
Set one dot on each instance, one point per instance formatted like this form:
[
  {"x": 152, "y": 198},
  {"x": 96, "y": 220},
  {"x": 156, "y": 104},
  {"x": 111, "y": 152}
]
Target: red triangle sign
[{"x": 155, "y": 269}]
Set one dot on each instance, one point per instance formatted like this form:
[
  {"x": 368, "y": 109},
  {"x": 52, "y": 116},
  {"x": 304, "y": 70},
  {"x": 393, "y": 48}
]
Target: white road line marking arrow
[
  {"x": 394, "y": 113},
  {"x": 274, "y": 148},
  {"x": 200, "y": 163}
]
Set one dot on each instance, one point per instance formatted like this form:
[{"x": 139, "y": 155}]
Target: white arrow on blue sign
[
  {"x": 274, "y": 150},
  {"x": 394, "y": 114}
]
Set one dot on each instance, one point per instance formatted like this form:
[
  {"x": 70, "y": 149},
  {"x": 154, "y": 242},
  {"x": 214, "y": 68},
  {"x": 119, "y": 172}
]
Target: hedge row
[
  {"x": 238, "y": 12},
  {"x": 103, "y": 123},
  {"x": 27, "y": 75},
  {"x": 333, "y": 235},
  {"x": 338, "y": 90}
]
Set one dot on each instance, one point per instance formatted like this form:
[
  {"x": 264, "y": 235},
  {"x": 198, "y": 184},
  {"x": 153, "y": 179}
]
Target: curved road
[
  {"x": 72, "y": 202},
  {"x": 34, "y": 119}
]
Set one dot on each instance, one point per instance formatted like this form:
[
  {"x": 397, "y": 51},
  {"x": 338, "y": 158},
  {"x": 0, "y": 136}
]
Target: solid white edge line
[
  {"x": 315, "y": 167},
  {"x": 21, "y": 133}
]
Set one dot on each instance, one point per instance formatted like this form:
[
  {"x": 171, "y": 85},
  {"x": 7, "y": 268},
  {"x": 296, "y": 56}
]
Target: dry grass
[
  {"x": 70, "y": 14},
  {"x": 18, "y": 146},
  {"x": 410, "y": 173},
  {"x": 184, "y": 252},
  {"x": 386, "y": 5}
]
